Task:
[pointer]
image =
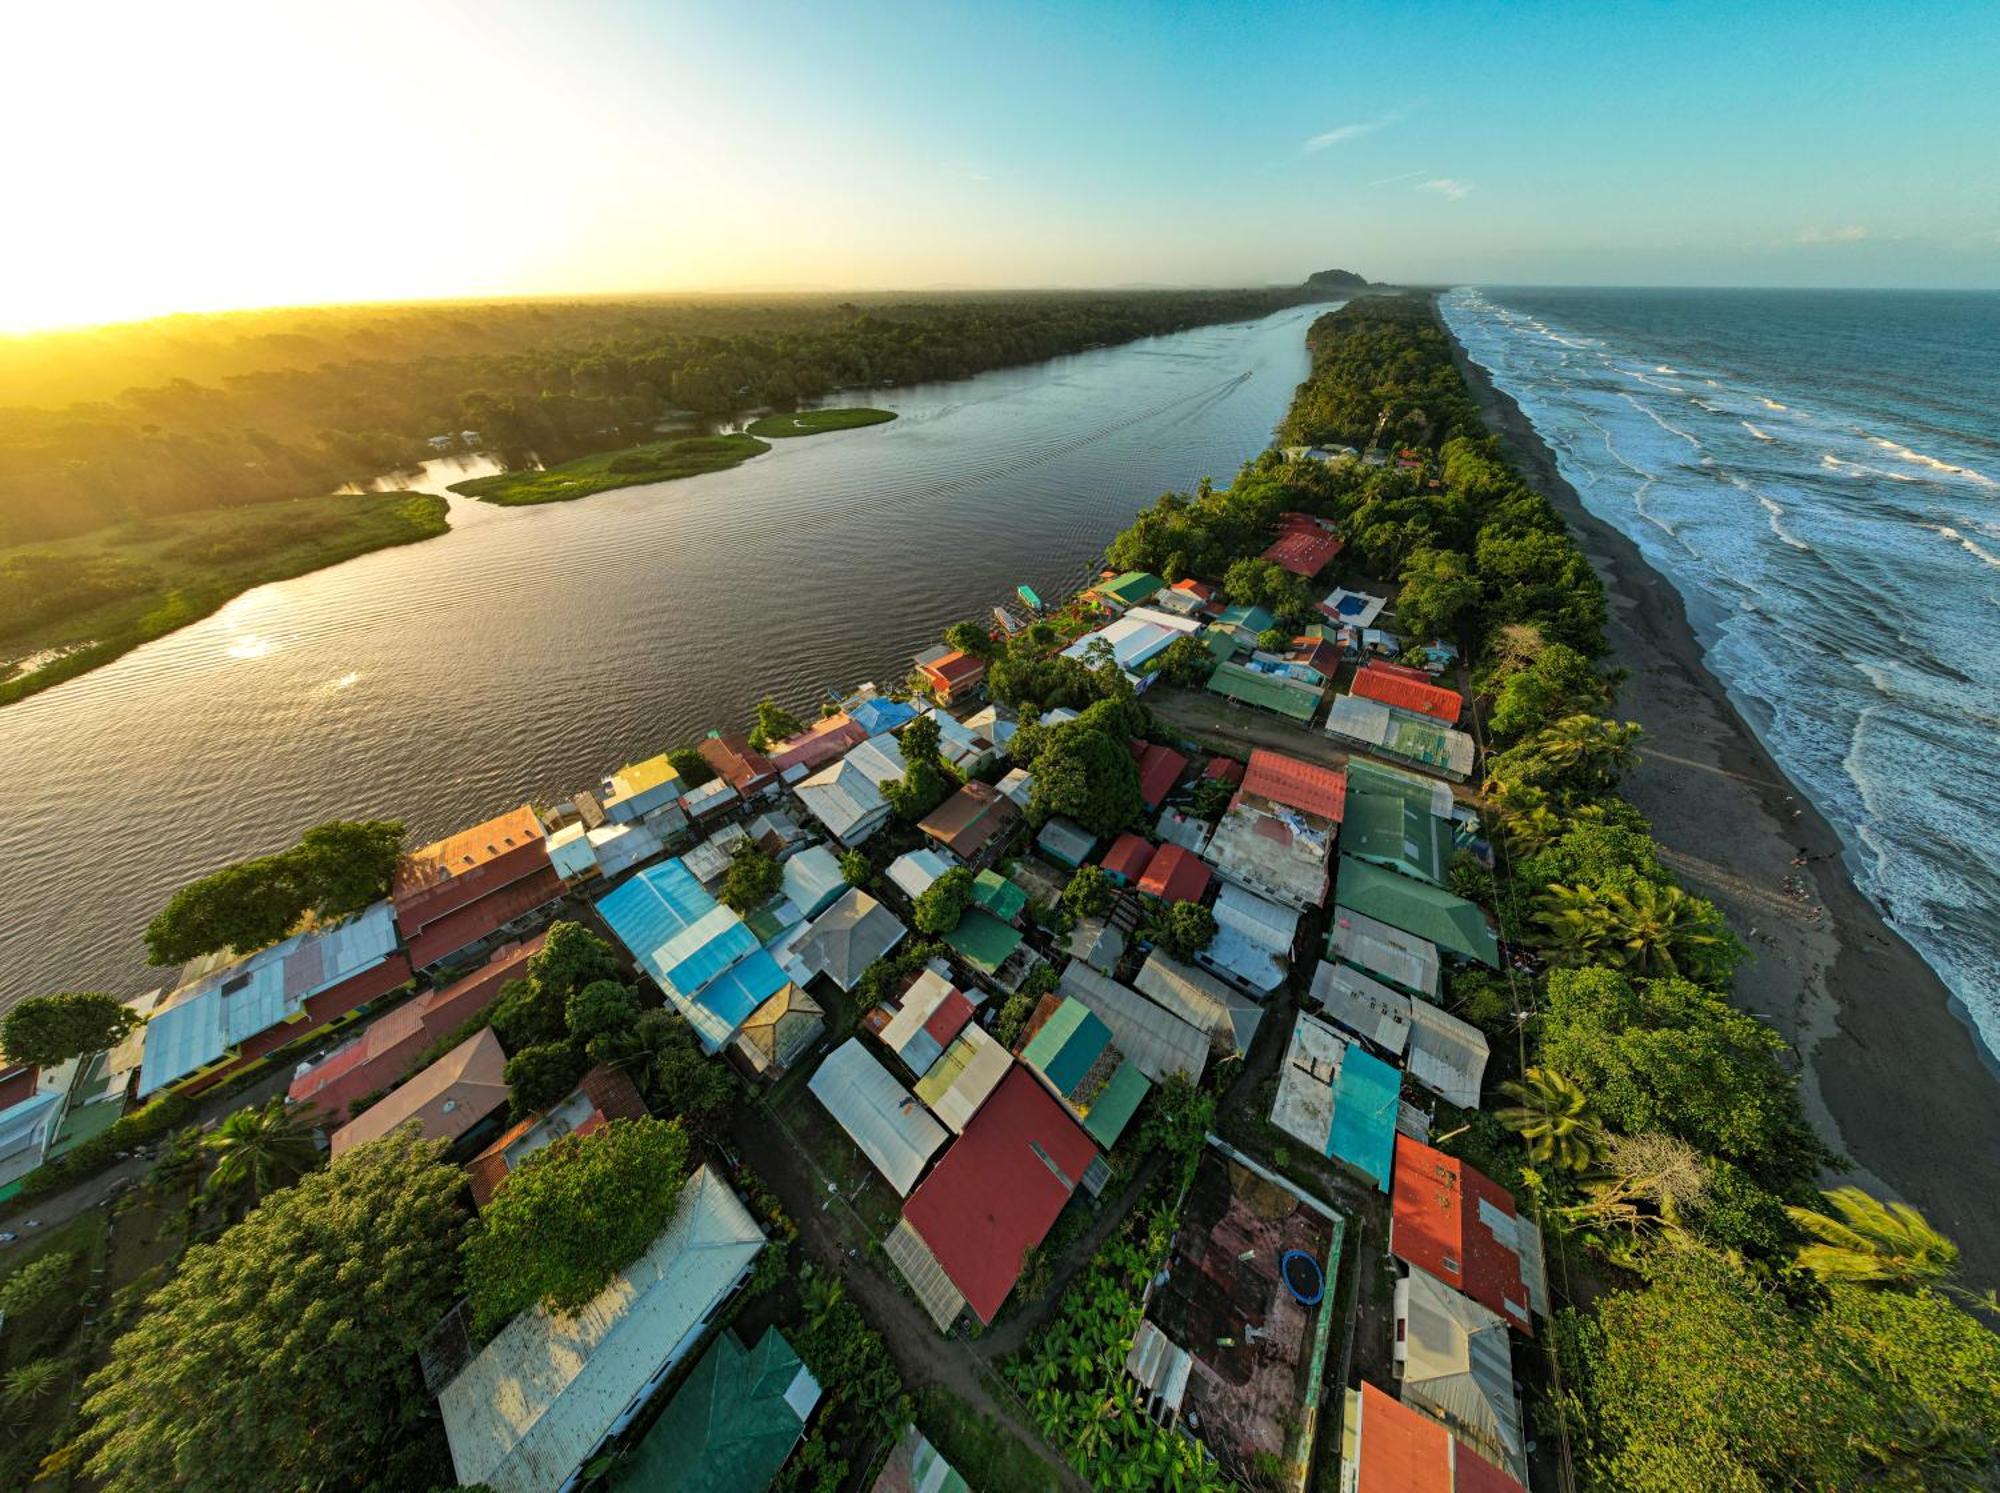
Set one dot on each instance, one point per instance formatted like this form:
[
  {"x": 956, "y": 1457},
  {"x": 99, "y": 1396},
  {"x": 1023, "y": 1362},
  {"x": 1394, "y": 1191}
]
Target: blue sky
[{"x": 341, "y": 149}]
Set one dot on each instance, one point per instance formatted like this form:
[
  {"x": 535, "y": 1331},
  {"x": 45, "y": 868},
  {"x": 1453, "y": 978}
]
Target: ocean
[{"x": 1818, "y": 474}]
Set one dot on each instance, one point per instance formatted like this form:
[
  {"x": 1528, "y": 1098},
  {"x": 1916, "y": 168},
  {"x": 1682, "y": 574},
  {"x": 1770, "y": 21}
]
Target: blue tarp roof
[
  {"x": 744, "y": 987},
  {"x": 1365, "y": 1094},
  {"x": 705, "y": 958},
  {"x": 877, "y": 716}
]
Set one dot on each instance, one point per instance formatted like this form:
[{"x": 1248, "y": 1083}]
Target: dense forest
[{"x": 113, "y": 424}]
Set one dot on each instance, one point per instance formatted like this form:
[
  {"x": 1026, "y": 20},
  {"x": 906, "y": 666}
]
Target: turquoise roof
[
  {"x": 703, "y": 956},
  {"x": 1365, "y": 1095},
  {"x": 1069, "y": 1042},
  {"x": 1115, "y": 1103},
  {"x": 982, "y": 939},
  {"x": 732, "y": 1425},
  {"x": 1250, "y": 619}
]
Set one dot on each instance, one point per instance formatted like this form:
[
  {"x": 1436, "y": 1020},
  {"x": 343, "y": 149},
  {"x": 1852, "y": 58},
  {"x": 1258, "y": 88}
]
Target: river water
[{"x": 531, "y": 650}]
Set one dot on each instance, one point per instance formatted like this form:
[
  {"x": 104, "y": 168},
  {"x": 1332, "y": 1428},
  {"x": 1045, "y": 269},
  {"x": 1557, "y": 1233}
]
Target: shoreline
[{"x": 1891, "y": 1072}]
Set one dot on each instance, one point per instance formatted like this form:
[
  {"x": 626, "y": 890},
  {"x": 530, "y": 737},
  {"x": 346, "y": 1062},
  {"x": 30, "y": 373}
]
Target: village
[{"x": 974, "y": 1040}]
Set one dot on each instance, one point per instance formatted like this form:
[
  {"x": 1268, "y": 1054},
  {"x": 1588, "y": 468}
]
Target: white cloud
[
  {"x": 1853, "y": 233},
  {"x": 1341, "y": 134},
  {"x": 1388, "y": 181},
  {"x": 1445, "y": 187}
]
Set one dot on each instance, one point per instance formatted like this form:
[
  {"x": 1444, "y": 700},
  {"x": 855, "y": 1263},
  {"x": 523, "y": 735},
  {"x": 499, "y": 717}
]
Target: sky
[{"x": 216, "y": 154}]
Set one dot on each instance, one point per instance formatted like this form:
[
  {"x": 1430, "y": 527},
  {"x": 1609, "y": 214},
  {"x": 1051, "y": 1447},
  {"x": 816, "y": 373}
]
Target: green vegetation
[
  {"x": 657, "y": 461},
  {"x": 284, "y": 1353},
  {"x": 855, "y": 867},
  {"x": 981, "y": 1450},
  {"x": 659, "y": 1054},
  {"x": 863, "y": 1400},
  {"x": 48, "y": 1029},
  {"x": 753, "y": 878},
  {"x": 943, "y": 902},
  {"x": 70, "y": 603},
  {"x": 257, "y": 1151},
  {"x": 1183, "y": 929},
  {"x": 571, "y": 1216},
  {"x": 928, "y": 780},
  {"x": 1084, "y": 768},
  {"x": 335, "y": 871},
  {"x": 773, "y": 724},
  {"x": 816, "y": 422},
  {"x": 1089, "y": 893}
]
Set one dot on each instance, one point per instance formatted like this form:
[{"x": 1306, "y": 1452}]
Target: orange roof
[
  {"x": 1128, "y": 856},
  {"x": 1305, "y": 786},
  {"x": 1176, "y": 874},
  {"x": 446, "y": 1100},
  {"x": 1433, "y": 700},
  {"x": 1303, "y": 551},
  {"x": 1401, "y": 1450},
  {"x": 456, "y": 854},
  {"x": 1452, "y": 1220},
  {"x": 954, "y": 669}
]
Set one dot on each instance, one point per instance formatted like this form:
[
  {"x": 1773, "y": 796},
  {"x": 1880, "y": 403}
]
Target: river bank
[{"x": 1892, "y": 1075}]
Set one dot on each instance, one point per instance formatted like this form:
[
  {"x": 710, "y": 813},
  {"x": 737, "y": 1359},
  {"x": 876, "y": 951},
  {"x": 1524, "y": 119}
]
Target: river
[{"x": 531, "y": 650}]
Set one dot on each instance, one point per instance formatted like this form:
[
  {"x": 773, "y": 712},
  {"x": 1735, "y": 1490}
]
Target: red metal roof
[
  {"x": 1176, "y": 874},
  {"x": 1160, "y": 767},
  {"x": 1444, "y": 1215},
  {"x": 448, "y": 873},
  {"x": 18, "y": 1084},
  {"x": 739, "y": 764},
  {"x": 949, "y": 1018},
  {"x": 1201, "y": 589},
  {"x": 469, "y": 924},
  {"x": 1401, "y": 671},
  {"x": 955, "y": 670},
  {"x": 999, "y": 1189},
  {"x": 1472, "y": 1473},
  {"x": 1128, "y": 856},
  {"x": 1302, "y": 551},
  {"x": 1419, "y": 697},
  {"x": 1401, "y": 1451},
  {"x": 1224, "y": 769},
  {"x": 819, "y": 743},
  {"x": 1305, "y": 786}
]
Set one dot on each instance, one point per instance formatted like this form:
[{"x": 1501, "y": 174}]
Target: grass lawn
[
  {"x": 68, "y": 605},
  {"x": 982, "y": 1451},
  {"x": 658, "y": 461},
  {"x": 816, "y": 422}
]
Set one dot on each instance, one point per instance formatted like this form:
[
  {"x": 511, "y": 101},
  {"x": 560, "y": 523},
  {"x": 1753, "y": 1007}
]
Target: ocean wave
[
  {"x": 1777, "y": 512},
  {"x": 1670, "y": 429},
  {"x": 1757, "y": 433},
  {"x": 1771, "y": 404},
  {"x": 1860, "y": 469},
  {"x": 1946, "y": 531},
  {"x": 1663, "y": 368},
  {"x": 1904, "y": 453}
]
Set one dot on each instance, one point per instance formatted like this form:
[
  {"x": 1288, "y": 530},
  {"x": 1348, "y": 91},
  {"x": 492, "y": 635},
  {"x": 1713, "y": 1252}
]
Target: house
[
  {"x": 848, "y": 937},
  {"x": 450, "y": 1100},
  {"x": 982, "y": 940},
  {"x": 31, "y": 1109},
  {"x": 964, "y": 1077},
  {"x": 1018, "y": 787},
  {"x": 604, "y": 1094},
  {"x": 915, "y": 1466},
  {"x": 1387, "y": 1447},
  {"x": 878, "y": 714},
  {"x": 1070, "y": 1048},
  {"x": 1303, "y": 548},
  {"x": 1184, "y": 830},
  {"x": 812, "y": 879},
  {"x": 1160, "y": 767},
  {"x": 538, "y": 1403},
  {"x": 644, "y": 790},
  {"x": 1223, "y": 769},
  {"x": 706, "y": 960},
  {"x": 1454, "y": 1361},
  {"x": 974, "y": 824},
  {"x": 738, "y": 763},
  {"x": 993, "y": 726},
  {"x": 1452, "y": 923},
  {"x": 1174, "y": 874},
  {"x": 1248, "y": 623},
  {"x": 1388, "y": 685},
  {"x": 1290, "y": 698},
  {"x": 381, "y": 1056},
  {"x": 228, "y": 1012},
  {"x": 820, "y": 743},
  {"x": 1389, "y": 830},
  {"x": 1135, "y": 640},
  {"x": 1357, "y": 1002},
  {"x": 847, "y": 798},
  {"x": 967, "y": 1228},
  {"x": 1126, "y": 861},
  {"x": 1339, "y": 1099},
  {"x": 1000, "y": 897},
  {"x": 1352, "y": 608},
  {"x": 880, "y": 1116},
  {"x": 1447, "y": 1056},
  {"x": 781, "y": 1031},
  {"x": 1159, "y": 1042},
  {"x": 1228, "y": 1017},
  {"x": 929, "y": 1015},
  {"x": 1065, "y": 841},
  {"x": 1401, "y": 959},
  {"x": 1253, "y": 940},
  {"x": 1415, "y": 739},
  {"x": 1452, "y": 1220},
  {"x": 455, "y": 894},
  {"x": 731, "y": 1425},
  {"x": 711, "y": 859},
  {"x": 1126, "y": 590},
  {"x": 913, "y": 871},
  {"x": 953, "y": 677},
  {"x": 960, "y": 745},
  {"x": 1283, "y": 858},
  {"x": 1098, "y": 942},
  {"x": 1310, "y": 788},
  {"x": 1179, "y": 600}
]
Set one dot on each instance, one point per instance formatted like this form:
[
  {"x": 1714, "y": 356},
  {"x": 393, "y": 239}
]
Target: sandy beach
[{"x": 1892, "y": 1075}]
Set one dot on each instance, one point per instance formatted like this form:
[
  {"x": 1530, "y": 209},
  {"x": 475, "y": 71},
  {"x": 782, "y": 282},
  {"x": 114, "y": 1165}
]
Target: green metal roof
[
  {"x": 1286, "y": 697},
  {"x": 982, "y": 939},
  {"x": 731, "y": 1426},
  {"x": 998, "y": 895},
  {"x": 1131, "y": 588},
  {"x": 1115, "y": 1104},
  {"x": 1395, "y": 831},
  {"x": 1069, "y": 1042},
  {"x": 1430, "y": 912},
  {"x": 1223, "y": 643},
  {"x": 1250, "y": 619}
]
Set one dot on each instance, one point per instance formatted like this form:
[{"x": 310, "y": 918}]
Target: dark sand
[{"x": 1892, "y": 1075}]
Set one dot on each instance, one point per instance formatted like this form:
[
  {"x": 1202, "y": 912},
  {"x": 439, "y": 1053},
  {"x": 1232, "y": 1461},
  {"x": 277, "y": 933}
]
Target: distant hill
[{"x": 1335, "y": 280}]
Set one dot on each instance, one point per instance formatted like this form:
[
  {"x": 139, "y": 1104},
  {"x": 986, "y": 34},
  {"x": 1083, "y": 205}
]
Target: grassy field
[
  {"x": 661, "y": 461},
  {"x": 980, "y": 1450},
  {"x": 69, "y": 605},
  {"x": 816, "y": 422}
]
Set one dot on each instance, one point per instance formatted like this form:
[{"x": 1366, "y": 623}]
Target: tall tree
[
  {"x": 1552, "y": 1115},
  {"x": 50, "y": 1029},
  {"x": 1866, "y": 1241},
  {"x": 259, "y": 1150},
  {"x": 349, "y": 864},
  {"x": 774, "y": 723},
  {"x": 753, "y": 878}
]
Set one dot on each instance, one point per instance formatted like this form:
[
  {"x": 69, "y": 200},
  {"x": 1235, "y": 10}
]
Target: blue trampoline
[{"x": 1302, "y": 1276}]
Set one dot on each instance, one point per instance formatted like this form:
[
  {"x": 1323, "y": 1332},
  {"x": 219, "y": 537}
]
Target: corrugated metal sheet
[
  {"x": 1266, "y": 923},
  {"x": 1457, "y": 1365},
  {"x": 1365, "y": 1094},
  {"x": 812, "y": 879},
  {"x": 1228, "y": 1016},
  {"x": 883, "y": 1118},
  {"x": 960, "y": 1081},
  {"x": 1155, "y": 1039},
  {"x": 1447, "y": 1055},
  {"x": 1388, "y": 953},
  {"x": 1363, "y": 1005}
]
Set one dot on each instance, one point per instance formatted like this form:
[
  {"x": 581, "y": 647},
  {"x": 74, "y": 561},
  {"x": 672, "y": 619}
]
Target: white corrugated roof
[
  {"x": 812, "y": 879},
  {"x": 1198, "y": 998},
  {"x": 1303, "y": 1107},
  {"x": 1447, "y": 1055},
  {"x": 1365, "y": 1006},
  {"x": 1261, "y": 921},
  {"x": 539, "y": 1398},
  {"x": 1458, "y": 1366},
  {"x": 960, "y": 1081},
  {"x": 1391, "y": 953},
  {"x": 882, "y": 1117},
  {"x": 915, "y": 870}
]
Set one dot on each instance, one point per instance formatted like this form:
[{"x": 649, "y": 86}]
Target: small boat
[{"x": 1027, "y": 594}]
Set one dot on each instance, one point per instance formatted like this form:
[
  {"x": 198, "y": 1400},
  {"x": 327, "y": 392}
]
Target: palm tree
[
  {"x": 1553, "y": 1116},
  {"x": 1652, "y": 928},
  {"x": 1648, "y": 1184},
  {"x": 33, "y": 1382},
  {"x": 1873, "y": 1242},
  {"x": 257, "y": 1150},
  {"x": 1520, "y": 816},
  {"x": 1587, "y": 749}
]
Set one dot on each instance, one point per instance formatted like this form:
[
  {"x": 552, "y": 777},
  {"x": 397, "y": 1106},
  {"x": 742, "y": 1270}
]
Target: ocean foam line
[
  {"x": 1860, "y": 469},
  {"x": 1946, "y": 531},
  {"x": 1670, "y": 429},
  {"x": 1906, "y": 454},
  {"x": 1757, "y": 433}
]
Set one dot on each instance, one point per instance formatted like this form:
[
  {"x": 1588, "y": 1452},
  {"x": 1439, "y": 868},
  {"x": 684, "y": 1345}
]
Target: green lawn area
[
  {"x": 658, "y": 461},
  {"x": 68, "y": 605},
  {"x": 816, "y": 422},
  {"x": 982, "y": 1451}
]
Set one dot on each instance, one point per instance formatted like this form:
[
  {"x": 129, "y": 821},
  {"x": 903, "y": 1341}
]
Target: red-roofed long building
[
  {"x": 1386, "y": 1447},
  {"x": 1399, "y": 691},
  {"x": 738, "y": 763},
  {"x": 1305, "y": 786},
  {"x": 458, "y": 892},
  {"x": 1128, "y": 857},
  {"x": 1304, "y": 545},
  {"x": 1457, "y": 1223},
  {"x": 994, "y": 1197},
  {"x": 822, "y": 742}
]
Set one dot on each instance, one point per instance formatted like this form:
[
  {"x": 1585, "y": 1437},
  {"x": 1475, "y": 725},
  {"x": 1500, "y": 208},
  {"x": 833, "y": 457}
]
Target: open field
[
  {"x": 69, "y": 605},
  {"x": 816, "y": 422},
  {"x": 659, "y": 461}
]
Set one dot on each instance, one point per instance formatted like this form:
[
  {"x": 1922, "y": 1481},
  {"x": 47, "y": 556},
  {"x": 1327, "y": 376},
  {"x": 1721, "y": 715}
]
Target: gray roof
[
  {"x": 1066, "y": 840},
  {"x": 1447, "y": 1055},
  {"x": 1389, "y": 953},
  {"x": 1458, "y": 1367},
  {"x": 1155, "y": 1039},
  {"x": 1228, "y": 1016},
  {"x": 1363, "y": 1005},
  {"x": 848, "y": 937}
]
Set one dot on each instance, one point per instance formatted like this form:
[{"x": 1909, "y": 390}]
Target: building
[
  {"x": 1065, "y": 841},
  {"x": 31, "y": 1109},
  {"x": 1429, "y": 912},
  {"x": 1387, "y": 1447},
  {"x": 1387, "y": 685},
  {"x": 1069, "y": 1047},
  {"x": 605, "y": 1094},
  {"x": 1126, "y": 861},
  {"x": 1400, "y": 959},
  {"x": 1184, "y": 830},
  {"x": 848, "y": 937},
  {"x": 847, "y": 797},
  {"x": 878, "y": 714},
  {"x": 1454, "y": 1360},
  {"x": 1303, "y": 546},
  {"x": 1290, "y": 698},
  {"x": 813, "y": 748},
  {"x": 1451, "y": 1219},
  {"x": 960, "y": 745},
  {"x": 1447, "y": 1056},
  {"x": 738, "y": 763},
  {"x": 1280, "y": 857},
  {"x": 964, "y": 1076},
  {"x": 228, "y": 1012},
  {"x": 974, "y": 824},
  {"x": 913, "y": 872},
  {"x": 1003, "y": 899},
  {"x": 954, "y": 677},
  {"x": 1018, "y": 787},
  {"x": 1156, "y": 1040},
  {"x": 381, "y": 1056},
  {"x": 1129, "y": 589},
  {"x": 880, "y": 1116},
  {"x": 1352, "y": 608},
  {"x": 1338, "y": 1099},
  {"x": 1174, "y": 874},
  {"x": 982, "y": 940},
  {"x": 1135, "y": 640},
  {"x": 1397, "y": 734},
  {"x": 1253, "y": 940},
  {"x": 451, "y": 1100},
  {"x": 812, "y": 879},
  {"x": 456, "y": 894},
  {"x": 535, "y": 1405},
  {"x": 1309, "y": 788},
  {"x": 1098, "y": 942},
  {"x": 1160, "y": 767},
  {"x": 915, "y": 1466},
  {"x": 1397, "y": 832},
  {"x": 966, "y": 1229},
  {"x": 780, "y": 1032},
  {"x": 930, "y": 1013},
  {"x": 644, "y": 790},
  {"x": 731, "y": 1425},
  {"x": 1228, "y": 1017}
]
